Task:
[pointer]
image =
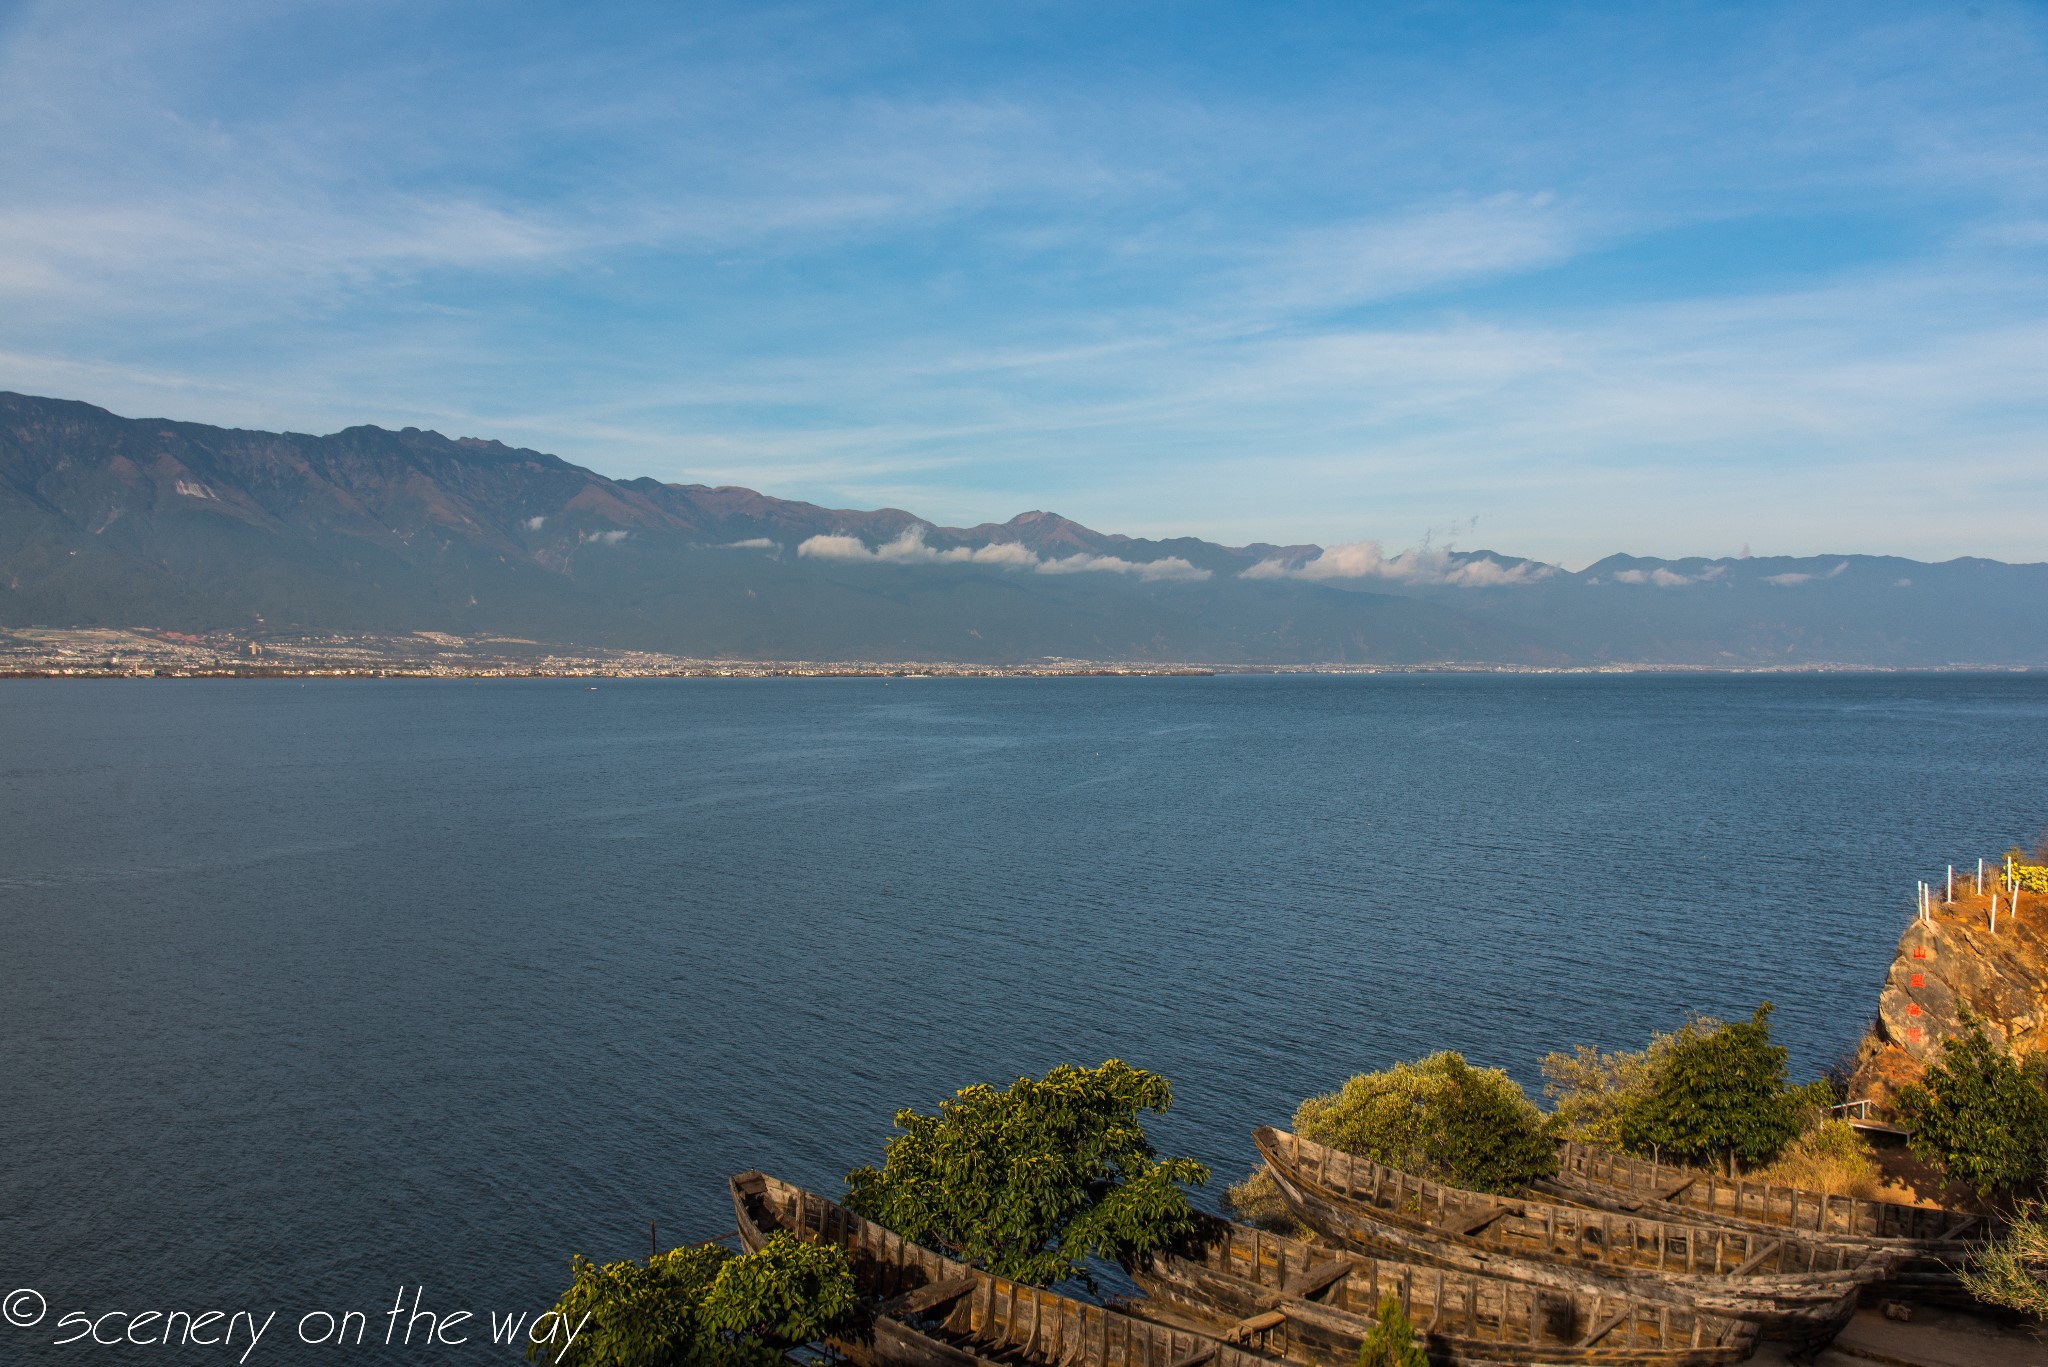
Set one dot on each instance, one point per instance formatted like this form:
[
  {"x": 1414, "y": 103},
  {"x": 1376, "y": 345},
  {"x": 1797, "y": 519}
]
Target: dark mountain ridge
[{"x": 114, "y": 521}]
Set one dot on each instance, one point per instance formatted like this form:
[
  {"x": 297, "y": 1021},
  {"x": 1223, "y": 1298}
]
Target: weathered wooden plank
[
  {"x": 1256, "y": 1324},
  {"x": 1606, "y": 1326},
  {"x": 1317, "y": 1279},
  {"x": 934, "y": 1295},
  {"x": 1756, "y": 1259},
  {"x": 1480, "y": 1221},
  {"x": 1681, "y": 1189}
]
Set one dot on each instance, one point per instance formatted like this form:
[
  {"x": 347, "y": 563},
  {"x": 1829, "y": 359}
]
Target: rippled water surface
[{"x": 315, "y": 989}]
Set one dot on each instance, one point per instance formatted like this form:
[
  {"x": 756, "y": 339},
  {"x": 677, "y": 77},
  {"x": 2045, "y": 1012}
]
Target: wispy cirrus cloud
[
  {"x": 1428, "y": 247},
  {"x": 1686, "y": 274}
]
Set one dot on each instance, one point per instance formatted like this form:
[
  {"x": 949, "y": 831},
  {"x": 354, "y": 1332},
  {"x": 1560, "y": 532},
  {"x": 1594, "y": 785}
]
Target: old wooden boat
[
  {"x": 927, "y": 1310},
  {"x": 1630, "y": 1183},
  {"x": 1927, "y": 1243},
  {"x": 1317, "y": 1303},
  {"x": 1790, "y": 1287}
]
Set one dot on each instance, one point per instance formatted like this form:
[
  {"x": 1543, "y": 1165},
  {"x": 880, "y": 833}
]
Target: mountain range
[{"x": 112, "y": 521}]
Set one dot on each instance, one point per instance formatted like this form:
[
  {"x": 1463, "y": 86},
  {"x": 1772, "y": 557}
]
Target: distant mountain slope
[
  {"x": 113, "y": 521},
  {"x": 1844, "y": 609}
]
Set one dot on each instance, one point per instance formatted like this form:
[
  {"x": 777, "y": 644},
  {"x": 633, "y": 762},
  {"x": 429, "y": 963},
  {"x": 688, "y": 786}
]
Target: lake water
[{"x": 314, "y": 990}]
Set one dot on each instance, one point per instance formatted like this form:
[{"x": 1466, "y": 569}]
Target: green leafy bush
[
  {"x": 2012, "y": 1270},
  {"x": 788, "y": 1291},
  {"x": 1980, "y": 1115},
  {"x": 648, "y": 1315},
  {"x": 1439, "y": 1117},
  {"x": 1718, "y": 1094},
  {"x": 701, "y": 1306},
  {"x": 1031, "y": 1181},
  {"x": 1391, "y": 1341}
]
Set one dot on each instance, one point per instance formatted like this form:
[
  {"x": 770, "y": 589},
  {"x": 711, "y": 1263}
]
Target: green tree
[
  {"x": 1719, "y": 1094},
  {"x": 1031, "y": 1181},
  {"x": 1980, "y": 1115},
  {"x": 2012, "y": 1270},
  {"x": 1590, "y": 1090},
  {"x": 699, "y": 1306},
  {"x": 648, "y": 1314},
  {"x": 1391, "y": 1341},
  {"x": 1439, "y": 1117},
  {"x": 788, "y": 1291}
]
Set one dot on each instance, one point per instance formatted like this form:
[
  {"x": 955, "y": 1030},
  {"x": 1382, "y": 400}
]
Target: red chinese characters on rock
[
  {"x": 1919, "y": 980},
  {"x": 1912, "y": 1008},
  {"x": 1913, "y": 1033}
]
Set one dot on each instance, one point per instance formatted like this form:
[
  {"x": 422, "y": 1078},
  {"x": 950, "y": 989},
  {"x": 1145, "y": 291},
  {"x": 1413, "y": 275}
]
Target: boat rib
[
  {"x": 928, "y": 1310},
  {"x": 1789, "y": 1286},
  {"x": 1226, "y": 1275}
]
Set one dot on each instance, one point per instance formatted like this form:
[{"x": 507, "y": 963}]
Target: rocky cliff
[{"x": 1952, "y": 962}]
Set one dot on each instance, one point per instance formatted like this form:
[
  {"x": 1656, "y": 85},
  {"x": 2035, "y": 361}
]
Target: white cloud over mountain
[
  {"x": 909, "y": 548},
  {"x": 1171, "y": 569},
  {"x": 1417, "y": 565}
]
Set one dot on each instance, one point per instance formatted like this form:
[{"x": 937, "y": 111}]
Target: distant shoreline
[
  {"x": 723, "y": 670},
  {"x": 160, "y": 653},
  {"x": 151, "y": 653},
  {"x": 745, "y": 671}
]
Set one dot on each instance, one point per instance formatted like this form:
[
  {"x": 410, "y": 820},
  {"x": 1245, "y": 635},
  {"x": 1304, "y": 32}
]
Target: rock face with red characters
[{"x": 1950, "y": 963}]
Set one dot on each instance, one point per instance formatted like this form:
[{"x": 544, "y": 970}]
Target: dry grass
[{"x": 1829, "y": 1157}]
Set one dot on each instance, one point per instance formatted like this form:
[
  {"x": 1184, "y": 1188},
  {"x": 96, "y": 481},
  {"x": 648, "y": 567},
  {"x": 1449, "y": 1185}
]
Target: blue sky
[{"x": 1556, "y": 280}]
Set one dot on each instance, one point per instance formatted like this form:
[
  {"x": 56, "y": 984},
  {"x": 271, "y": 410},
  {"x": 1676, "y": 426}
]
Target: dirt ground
[{"x": 1932, "y": 1338}]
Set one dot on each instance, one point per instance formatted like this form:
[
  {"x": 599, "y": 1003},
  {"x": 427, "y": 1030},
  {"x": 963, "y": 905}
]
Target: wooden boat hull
[
  {"x": 1922, "y": 1272},
  {"x": 895, "y": 1342},
  {"x": 1700, "y": 1193},
  {"x": 1790, "y": 1289},
  {"x": 1927, "y": 1244},
  {"x": 1231, "y": 1275},
  {"x": 930, "y": 1311}
]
